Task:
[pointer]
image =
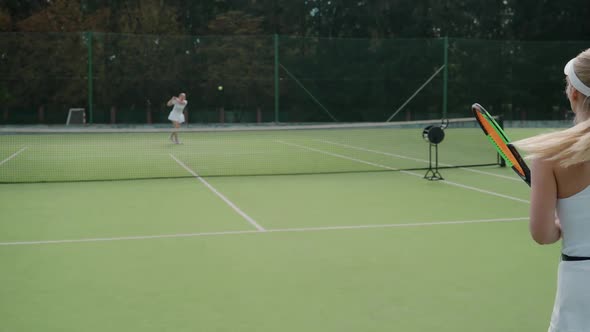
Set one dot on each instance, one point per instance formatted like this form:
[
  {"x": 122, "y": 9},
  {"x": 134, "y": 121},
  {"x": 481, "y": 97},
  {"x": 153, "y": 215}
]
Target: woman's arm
[
  {"x": 171, "y": 101},
  {"x": 543, "y": 225}
]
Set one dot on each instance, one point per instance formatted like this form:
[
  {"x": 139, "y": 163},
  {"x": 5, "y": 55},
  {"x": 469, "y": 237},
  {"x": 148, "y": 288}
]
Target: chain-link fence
[{"x": 120, "y": 78}]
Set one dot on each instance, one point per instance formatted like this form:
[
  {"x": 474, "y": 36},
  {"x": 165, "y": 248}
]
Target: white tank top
[
  {"x": 574, "y": 214},
  {"x": 178, "y": 106}
]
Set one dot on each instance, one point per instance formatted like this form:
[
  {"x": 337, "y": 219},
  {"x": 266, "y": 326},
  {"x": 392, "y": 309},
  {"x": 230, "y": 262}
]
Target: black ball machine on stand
[{"x": 434, "y": 135}]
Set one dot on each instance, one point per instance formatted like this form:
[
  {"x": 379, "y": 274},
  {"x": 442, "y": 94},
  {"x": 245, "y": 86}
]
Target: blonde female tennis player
[
  {"x": 560, "y": 200},
  {"x": 177, "y": 115}
]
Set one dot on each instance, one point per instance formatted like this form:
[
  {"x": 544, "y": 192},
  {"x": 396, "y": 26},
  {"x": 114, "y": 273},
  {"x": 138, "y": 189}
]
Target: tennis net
[{"x": 30, "y": 154}]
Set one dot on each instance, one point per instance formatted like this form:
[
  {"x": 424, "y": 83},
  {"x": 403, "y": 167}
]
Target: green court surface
[
  {"x": 82, "y": 155},
  {"x": 356, "y": 251}
]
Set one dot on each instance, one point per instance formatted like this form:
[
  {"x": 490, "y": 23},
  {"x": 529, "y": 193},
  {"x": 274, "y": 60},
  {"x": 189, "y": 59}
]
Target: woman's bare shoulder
[{"x": 572, "y": 180}]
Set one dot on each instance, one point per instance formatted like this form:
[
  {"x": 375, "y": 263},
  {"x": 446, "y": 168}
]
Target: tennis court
[{"x": 266, "y": 230}]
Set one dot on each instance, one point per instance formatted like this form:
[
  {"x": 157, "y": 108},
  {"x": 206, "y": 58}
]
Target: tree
[
  {"x": 149, "y": 17},
  {"x": 21, "y": 9},
  {"x": 551, "y": 20},
  {"x": 5, "y": 20},
  {"x": 52, "y": 66},
  {"x": 60, "y": 16},
  {"x": 239, "y": 59}
]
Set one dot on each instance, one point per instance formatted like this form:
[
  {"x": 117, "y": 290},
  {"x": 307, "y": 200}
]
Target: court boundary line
[
  {"x": 417, "y": 159},
  {"x": 456, "y": 184},
  {"x": 13, "y": 155},
  {"x": 275, "y": 230},
  {"x": 220, "y": 195}
]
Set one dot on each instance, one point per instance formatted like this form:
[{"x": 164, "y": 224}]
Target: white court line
[
  {"x": 12, "y": 156},
  {"x": 220, "y": 195},
  {"x": 404, "y": 225},
  {"x": 278, "y": 230},
  {"x": 512, "y": 178},
  {"x": 125, "y": 238},
  {"x": 405, "y": 172}
]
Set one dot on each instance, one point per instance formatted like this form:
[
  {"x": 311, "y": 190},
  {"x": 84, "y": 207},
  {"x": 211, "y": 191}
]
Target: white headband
[{"x": 574, "y": 80}]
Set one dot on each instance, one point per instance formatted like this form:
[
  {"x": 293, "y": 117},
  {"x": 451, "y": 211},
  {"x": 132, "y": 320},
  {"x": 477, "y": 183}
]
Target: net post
[
  {"x": 90, "y": 78},
  {"x": 445, "y": 76},
  {"x": 276, "y": 74}
]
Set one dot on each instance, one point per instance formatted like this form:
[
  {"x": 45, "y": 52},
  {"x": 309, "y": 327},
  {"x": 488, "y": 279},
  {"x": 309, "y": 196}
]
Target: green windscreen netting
[
  {"x": 134, "y": 76},
  {"x": 359, "y": 79},
  {"x": 42, "y": 75},
  {"x": 520, "y": 80}
]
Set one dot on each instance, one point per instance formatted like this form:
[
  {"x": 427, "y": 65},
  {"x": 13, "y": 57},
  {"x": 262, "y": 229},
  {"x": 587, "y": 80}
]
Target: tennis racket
[{"x": 501, "y": 142}]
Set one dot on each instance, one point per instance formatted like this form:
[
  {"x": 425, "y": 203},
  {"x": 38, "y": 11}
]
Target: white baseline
[{"x": 279, "y": 230}]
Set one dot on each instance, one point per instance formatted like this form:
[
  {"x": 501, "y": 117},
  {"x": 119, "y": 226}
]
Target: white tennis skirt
[
  {"x": 176, "y": 116},
  {"x": 571, "y": 311}
]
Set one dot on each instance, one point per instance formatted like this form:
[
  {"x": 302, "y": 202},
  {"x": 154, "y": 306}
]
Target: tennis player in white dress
[
  {"x": 560, "y": 200},
  {"x": 177, "y": 115}
]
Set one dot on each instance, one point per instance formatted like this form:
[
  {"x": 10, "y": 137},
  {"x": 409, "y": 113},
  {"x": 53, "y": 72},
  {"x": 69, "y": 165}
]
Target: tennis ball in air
[{"x": 220, "y": 87}]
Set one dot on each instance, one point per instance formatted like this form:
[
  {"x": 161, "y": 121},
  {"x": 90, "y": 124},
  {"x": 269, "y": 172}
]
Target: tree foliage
[
  {"x": 497, "y": 19},
  {"x": 5, "y": 20}
]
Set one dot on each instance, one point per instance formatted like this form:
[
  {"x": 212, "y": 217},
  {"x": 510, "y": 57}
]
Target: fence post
[
  {"x": 445, "y": 77},
  {"x": 90, "y": 78},
  {"x": 113, "y": 114},
  {"x": 148, "y": 112},
  {"x": 276, "y": 51},
  {"x": 41, "y": 114}
]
